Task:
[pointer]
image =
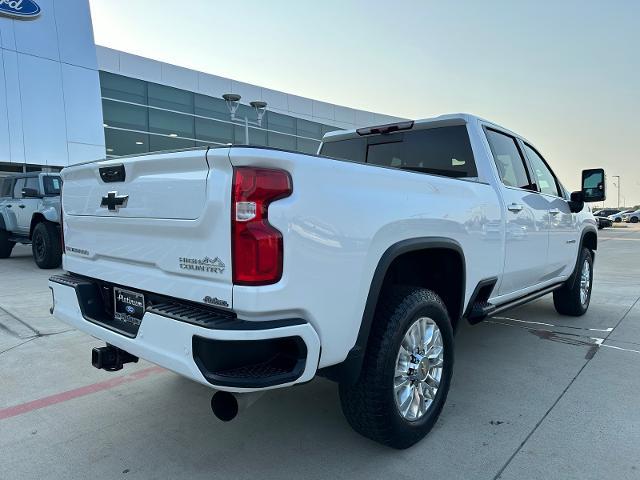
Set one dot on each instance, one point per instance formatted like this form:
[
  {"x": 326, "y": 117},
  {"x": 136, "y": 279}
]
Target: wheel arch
[
  {"x": 35, "y": 219},
  {"x": 349, "y": 369}
]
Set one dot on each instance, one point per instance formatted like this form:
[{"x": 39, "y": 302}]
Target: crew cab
[
  {"x": 247, "y": 268},
  {"x": 30, "y": 215}
]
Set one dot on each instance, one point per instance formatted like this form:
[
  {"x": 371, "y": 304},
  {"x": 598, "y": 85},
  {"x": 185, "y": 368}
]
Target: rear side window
[
  {"x": 5, "y": 187},
  {"x": 52, "y": 185},
  {"x": 508, "y": 159},
  {"x": 441, "y": 151}
]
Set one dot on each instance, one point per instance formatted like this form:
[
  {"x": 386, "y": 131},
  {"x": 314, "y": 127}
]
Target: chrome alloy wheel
[
  {"x": 418, "y": 369},
  {"x": 585, "y": 281}
]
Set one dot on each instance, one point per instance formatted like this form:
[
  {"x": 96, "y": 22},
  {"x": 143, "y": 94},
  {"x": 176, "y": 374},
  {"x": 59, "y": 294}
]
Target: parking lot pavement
[{"x": 535, "y": 395}]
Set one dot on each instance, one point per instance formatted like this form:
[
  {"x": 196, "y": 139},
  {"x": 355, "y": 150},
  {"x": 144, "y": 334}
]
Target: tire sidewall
[
  {"x": 40, "y": 231},
  {"x": 439, "y": 315},
  {"x": 586, "y": 255}
]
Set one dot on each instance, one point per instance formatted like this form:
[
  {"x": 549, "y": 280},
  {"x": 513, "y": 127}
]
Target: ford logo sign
[
  {"x": 19, "y": 8},
  {"x": 130, "y": 310}
]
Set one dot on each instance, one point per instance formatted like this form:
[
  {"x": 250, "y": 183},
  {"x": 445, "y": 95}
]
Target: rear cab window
[{"x": 444, "y": 151}]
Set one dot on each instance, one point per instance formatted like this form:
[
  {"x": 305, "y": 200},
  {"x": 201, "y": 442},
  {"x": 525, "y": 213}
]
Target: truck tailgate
[{"x": 167, "y": 232}]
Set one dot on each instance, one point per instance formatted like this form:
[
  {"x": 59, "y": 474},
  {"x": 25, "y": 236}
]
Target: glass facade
[{"x": 142, "y": 117}]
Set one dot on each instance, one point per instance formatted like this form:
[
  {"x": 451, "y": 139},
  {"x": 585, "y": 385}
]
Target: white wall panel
[
  {"x": 248, "y": 92},
  {"x": 345, "y": 114},
  {"x": 275, "y": 99},
  {"x": 14, "y": 107},
  {"x": 108, "y": 59},
  {"x": 5, "y": 143},
  {"x": 39, "y": 36},
  {"x": 7, "y": 37},
  {"x": 179, "y": 77},
  {"x": 213, "y": 85},
  {"x": 75, "y": 33},
  {"x": 140, "y": 67},
  {"x": 83, "y": 108},
  {"x": 323, "y": 110},
  {"x": 80, "y": 152},
  {"x": 300, "y": 105},
  {"x": 43, "y": 118}
]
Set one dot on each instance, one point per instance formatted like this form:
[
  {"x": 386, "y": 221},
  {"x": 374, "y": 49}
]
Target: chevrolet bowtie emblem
[{"x": 113, "y": 201}]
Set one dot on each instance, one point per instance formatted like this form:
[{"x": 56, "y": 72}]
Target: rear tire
[
  {"x": 46, "y": 245},
  {"x": 634, "y": 220},
  {"x": 374, "y": 405},
  {"x": 6, "y": 246},
  {"x": 573, "y": 298}
]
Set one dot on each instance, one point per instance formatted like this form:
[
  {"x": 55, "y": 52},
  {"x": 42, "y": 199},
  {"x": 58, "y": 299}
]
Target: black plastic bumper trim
[{"x": 95, "y": 308}]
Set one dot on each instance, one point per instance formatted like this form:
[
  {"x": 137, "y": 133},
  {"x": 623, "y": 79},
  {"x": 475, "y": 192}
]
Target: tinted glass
[
  {"x": 544, "y": 177},
  {"x": 211, "y": 107},
  {"x": 121, "y": 142},
  {"x": 52, "y": 185},
  {"x": 124, "y": 115},
  {"x": 307, "y": 146},
  {"x": 213, "y": 131},
  {"x": 5, "y": 187},
  {"x": 170, "y": 98},
  {"x": 508, "y": 159},
  {"x": 305, "y": 128},
  {"x": 123, "y": 88},
  {"x": 17, "y": 189},
  {"x": 256, "y": 136},
  {"x": 169, "y": 123},
  {"x": 32, "y": 182},
  {"x": 353, "y": 149},
  {"x": 441, "y": 151},
  {"x": 158, "y": 143},
  {"x": 279, "y": 140},
  {"x": 281, "y": 123}
]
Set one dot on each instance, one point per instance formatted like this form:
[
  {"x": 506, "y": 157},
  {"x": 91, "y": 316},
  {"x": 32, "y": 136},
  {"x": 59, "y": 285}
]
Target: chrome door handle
[
  {"x": 21, "y": 206},
  {"x": 514, "y": 207},
  {"x": 554, "y": 211}
]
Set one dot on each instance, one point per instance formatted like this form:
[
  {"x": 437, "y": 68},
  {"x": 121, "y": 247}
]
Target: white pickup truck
[{"x": 248, "y": 268}]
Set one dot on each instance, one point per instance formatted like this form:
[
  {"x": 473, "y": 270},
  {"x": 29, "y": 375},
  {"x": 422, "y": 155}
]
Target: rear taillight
[{"x": 256, "y": 245}]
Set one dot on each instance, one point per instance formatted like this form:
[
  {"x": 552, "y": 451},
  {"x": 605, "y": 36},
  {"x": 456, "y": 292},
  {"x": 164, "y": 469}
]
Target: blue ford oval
[{"x": 19, "y": 8}]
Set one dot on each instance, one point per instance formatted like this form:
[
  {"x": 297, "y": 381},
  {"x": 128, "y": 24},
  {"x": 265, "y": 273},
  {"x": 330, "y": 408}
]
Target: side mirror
[
  {"x": 593, "y": 185},
  {"x": 576, "y": 204},
  {"x": 30, "y": 193}
]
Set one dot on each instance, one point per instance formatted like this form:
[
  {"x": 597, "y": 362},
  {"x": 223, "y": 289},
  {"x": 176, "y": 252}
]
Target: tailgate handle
[{"x": 112, "y": 173}]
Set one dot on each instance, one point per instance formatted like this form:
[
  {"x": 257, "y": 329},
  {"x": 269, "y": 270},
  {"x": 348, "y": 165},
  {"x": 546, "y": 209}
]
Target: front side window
[
  {"x": 442, "y": 151},
  {"x": 32, "y": 182},
  {"x": 545, "y": 178},
  {"x": 508, "y": 160}
]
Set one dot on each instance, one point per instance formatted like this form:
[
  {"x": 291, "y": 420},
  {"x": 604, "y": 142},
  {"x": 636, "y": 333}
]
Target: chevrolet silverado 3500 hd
[{"x": 247, "y": 268}]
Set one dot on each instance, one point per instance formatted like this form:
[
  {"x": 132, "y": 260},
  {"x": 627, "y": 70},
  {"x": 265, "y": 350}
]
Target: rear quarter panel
[{"x": 338, "y": 222}]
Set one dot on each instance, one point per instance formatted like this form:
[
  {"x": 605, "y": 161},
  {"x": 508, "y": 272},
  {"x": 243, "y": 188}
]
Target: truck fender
[
  {"x": 51, "y": 214},
  {"x": 349, "y": 370},
  {"x": 589, "y": 239},
  {"x": 6, "y": 222}
]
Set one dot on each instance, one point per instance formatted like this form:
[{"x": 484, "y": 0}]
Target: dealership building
[{"x": 64, "y": 100}]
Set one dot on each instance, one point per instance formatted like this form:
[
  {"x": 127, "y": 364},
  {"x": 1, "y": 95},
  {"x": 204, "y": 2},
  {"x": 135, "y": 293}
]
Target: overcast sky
[{"x": 565, "y": 74}]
